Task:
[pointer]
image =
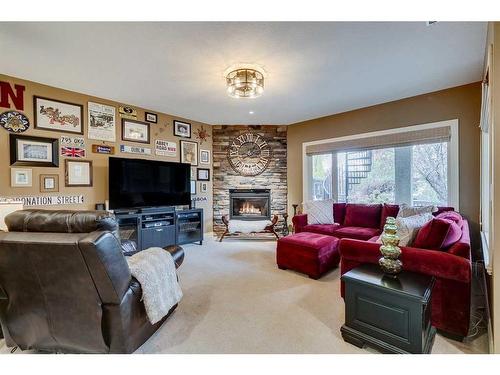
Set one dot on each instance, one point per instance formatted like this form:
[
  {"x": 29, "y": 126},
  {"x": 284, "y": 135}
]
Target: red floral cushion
[{"x": 438, "y": 234}]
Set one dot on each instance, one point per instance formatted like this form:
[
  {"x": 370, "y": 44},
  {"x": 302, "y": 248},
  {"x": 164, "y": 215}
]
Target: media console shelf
[
  {"x": 160, "y": 227},
  {"x": 189, "y": 226}
]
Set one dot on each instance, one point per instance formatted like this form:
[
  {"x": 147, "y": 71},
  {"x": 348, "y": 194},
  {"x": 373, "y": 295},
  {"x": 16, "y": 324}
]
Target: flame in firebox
[{"x": 249, "y": 209}]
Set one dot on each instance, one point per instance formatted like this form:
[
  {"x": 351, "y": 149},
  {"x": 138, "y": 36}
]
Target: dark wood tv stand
[{"x": 160, "y": 227}]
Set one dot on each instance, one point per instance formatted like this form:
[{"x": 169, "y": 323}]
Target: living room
[{"x": 303, "y": 188}]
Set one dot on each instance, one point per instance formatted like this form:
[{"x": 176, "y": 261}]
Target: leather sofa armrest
[
  {"x": 177, "y": 253},
  {"x": 299, "y": 221},
  {"x": 439, "y": 264},
  {"x": 107, "y": 265}
]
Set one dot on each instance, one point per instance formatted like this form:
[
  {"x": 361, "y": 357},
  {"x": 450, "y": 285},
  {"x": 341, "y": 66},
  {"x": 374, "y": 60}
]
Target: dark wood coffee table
[{"x": 390, "y": 314}]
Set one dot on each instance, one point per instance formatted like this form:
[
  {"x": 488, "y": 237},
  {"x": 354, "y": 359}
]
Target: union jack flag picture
[{"x": 73, "y": 152}]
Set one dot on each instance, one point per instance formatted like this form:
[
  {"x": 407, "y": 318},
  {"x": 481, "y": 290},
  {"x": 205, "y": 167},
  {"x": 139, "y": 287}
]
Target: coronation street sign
[{"x": 47, "y": 200}]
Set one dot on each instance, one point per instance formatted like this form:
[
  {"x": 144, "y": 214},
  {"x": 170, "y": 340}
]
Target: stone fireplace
[
  {"x": 270, "y": 186},
  {"x": 249, "y": 204}
]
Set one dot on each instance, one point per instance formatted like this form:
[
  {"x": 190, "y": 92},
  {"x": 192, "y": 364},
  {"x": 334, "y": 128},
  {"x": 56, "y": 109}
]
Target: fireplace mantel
[{"x": 274, "y": 178}]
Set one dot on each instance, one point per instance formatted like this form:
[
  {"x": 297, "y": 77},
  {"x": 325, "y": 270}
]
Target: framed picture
[
  {"x": 182, "y": 129},
  {"x": 135, "y": 131},
  {"x": 49, "y": 183},
  {"x": 151, "y": 117},
  {"x": 56, "y": 115},
  {"x": 204, "y": 157},
  {"x": 78, "y": 173},
  {"x": 189, "y": 152},
  {"x": 20, "y": 177},
  {"x": 193, "y": 187},
  {"x": 193, "y": 173},
  {"x": 102, "y": 125},
  {"x": 33, "y": 151},
  {"x": 203, "y": 187},
  {"x": 203, "y": 174}
]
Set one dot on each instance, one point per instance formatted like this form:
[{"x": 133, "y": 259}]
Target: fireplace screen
[{"x": 252, "y": 204}]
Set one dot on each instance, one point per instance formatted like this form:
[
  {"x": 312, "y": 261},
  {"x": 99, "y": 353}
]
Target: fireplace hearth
[{"x": 249, "y": 204}]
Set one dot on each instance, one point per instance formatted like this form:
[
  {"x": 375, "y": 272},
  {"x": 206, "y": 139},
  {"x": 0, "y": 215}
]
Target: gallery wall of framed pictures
[{"x": 57, "y": 141}]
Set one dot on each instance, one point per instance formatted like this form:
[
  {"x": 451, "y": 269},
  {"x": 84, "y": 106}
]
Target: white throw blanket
[
  {"x": 154, "y": 268},
  {"x": 247, "y": 226}
]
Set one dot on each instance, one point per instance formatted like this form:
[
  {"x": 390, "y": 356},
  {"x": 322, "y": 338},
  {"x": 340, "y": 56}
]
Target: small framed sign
[
  {"x": 203, "y": 174},
  {"x": 78, "y": 173},
  {"x": 20, "y": 177},
  {"x": 204, "y": 157},
  {"x": 49, "y": 183},
  {"x": 189, "y": 152},
  {"x": 135, "y": 131},
  {"x": 203, "y": 187},
  {"x": 151, "y": 117},
  {"x": 182, "y": 129}
]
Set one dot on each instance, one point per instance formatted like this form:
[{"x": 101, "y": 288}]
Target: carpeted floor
[{"x": 237, "y": 301}]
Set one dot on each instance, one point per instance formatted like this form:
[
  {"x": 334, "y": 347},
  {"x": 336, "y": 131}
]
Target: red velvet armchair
[{"x": 451, "y": 295}]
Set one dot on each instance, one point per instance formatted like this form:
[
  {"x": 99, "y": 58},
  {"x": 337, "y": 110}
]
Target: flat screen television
[{"x": 138, "y": 183}]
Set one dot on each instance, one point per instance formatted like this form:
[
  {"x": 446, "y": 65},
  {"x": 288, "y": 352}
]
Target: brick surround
[{"x": 225, "y": 178}]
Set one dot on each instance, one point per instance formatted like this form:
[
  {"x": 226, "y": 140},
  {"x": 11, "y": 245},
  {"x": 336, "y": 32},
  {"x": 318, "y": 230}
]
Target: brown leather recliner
[{"x": 65, "y": 285}]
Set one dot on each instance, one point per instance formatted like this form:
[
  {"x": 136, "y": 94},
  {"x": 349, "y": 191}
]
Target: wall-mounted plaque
[
  {"x": 135, "y": 149},
  {"x": 103, "y": 149}
]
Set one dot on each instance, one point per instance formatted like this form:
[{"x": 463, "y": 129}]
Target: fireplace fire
[
  {"x": 249, "y": 209},
  {"x": 249, "y": 204}
]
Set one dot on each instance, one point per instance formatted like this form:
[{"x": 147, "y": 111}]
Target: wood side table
[{"x": 390, "y": 314}]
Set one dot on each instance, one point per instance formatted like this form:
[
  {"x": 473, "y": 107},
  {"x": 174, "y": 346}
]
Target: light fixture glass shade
[{"x": 245, "y": 83}]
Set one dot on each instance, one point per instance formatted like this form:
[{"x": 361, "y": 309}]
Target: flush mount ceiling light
[{"x": 245, "y": 83}]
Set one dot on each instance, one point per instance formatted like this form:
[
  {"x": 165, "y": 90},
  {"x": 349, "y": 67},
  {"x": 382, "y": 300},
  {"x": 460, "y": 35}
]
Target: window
[
  {"x": 416, "y": 175},
  {"x": 486, "y": 139},
  {"x": 322, "y": 177},
  {"x": 409, "y": 166}
]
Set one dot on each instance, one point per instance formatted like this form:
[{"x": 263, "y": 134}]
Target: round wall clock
[
  {"x": 14, "y": 121},
  {"x": 249, "y": 154}
]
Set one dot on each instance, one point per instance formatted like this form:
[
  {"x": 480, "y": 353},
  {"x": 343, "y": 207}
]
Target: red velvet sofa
[{"x": 451, "y": 267}]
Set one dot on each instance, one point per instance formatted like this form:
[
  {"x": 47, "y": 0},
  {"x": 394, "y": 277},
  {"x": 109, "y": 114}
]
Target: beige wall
[
  {"x": 462, "y": 103},
  {"x": 99, "y": 192}
]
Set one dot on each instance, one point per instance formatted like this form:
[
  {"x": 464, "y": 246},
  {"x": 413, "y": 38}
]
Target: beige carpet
[{"x": 237, "y": 301}]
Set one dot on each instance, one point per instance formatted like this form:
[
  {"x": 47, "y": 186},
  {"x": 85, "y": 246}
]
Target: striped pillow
[{"x": 319, "y": 212}]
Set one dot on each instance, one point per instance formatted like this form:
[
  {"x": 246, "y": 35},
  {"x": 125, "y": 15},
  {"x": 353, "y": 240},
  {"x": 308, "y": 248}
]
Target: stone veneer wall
[{"x": 225, "y": 178}]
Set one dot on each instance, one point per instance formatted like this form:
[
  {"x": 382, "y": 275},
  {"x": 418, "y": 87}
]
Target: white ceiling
[{"x": 313, "y": 69}]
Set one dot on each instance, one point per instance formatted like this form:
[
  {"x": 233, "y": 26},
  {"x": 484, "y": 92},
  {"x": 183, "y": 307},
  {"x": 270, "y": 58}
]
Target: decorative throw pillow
[
  {"x": 438, "y": 234},
  {"x": 453, "y": 216},
  {"x": 408, "y": 227},
  {"x": 362, "y": 215},
  {"x": 319, "y": 212},
  {"x": 388, "y": 210},
  {"x": 406, "y": 211}
]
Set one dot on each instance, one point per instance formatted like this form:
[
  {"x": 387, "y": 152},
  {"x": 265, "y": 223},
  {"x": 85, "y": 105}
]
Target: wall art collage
[{"x": 66, "y": 121}]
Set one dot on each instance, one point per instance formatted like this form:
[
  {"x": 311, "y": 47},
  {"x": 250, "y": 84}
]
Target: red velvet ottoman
[{"x": 309, "y": 253}]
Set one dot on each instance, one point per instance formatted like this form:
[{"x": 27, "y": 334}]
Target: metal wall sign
[
  {"x": 103, "y": 149},
  {"x": 135, "y": 150},
  {"x": 73, "y": 147},
  {"x": 48, "y": 200},
  {"x": 165, "y": 148}
]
